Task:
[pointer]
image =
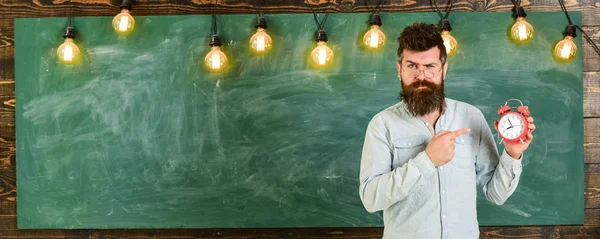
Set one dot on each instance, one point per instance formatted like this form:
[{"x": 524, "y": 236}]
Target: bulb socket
[
  {"x": 519, "y": 12},
  {"x": 321, "y": 36},
  {"x": 261, "y": 23},
  {"x": 126, "y": 4},
  {"x": 376, "y": 19},
  {"x": 571, "y": 30},
  {"x": 215, "y": 40},
  {"x": 70, "y": 33},
  {"x": 446, "y": 25}
]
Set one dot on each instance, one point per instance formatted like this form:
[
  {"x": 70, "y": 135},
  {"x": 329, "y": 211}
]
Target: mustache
[{"x": 429, "y": 85}]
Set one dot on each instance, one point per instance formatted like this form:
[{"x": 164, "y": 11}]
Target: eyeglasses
[{"x": 413, "y": 70}]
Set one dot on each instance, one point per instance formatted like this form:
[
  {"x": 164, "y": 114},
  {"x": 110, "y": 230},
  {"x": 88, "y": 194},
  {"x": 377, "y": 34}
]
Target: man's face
[{"x": 422, "y": 75}]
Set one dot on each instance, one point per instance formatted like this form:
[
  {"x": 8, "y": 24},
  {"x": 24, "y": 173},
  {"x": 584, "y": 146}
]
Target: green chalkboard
[{"x": 140, "y": 135}]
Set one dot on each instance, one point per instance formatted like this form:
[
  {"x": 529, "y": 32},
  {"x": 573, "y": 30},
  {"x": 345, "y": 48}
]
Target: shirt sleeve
[
  {"x": 497, "y": 176},
  {"x": 380, "y": 185}
]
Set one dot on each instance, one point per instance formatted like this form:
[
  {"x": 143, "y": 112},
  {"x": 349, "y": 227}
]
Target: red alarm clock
[{"x": 513, "y": 126}]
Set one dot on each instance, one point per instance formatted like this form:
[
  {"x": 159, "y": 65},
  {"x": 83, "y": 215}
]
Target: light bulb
[
  {"x": 123, "y": 23},
  {"x": 566, "y": 49},
  {"x": 322, "y": 54},
  {"x": 261, "y": 42},
  {"x": 215, "y": 60},
  {"x": 68, "y": 52},
  {"x": 449, "y": 42},
  {"x": 374, "y": 38},
  {"x": 521, "y": 31}
]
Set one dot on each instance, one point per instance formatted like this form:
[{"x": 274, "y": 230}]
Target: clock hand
[{"x": 509, "y": 122}]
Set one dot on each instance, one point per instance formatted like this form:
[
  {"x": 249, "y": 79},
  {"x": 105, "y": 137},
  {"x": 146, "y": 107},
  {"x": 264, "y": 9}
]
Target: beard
[{"x": 425, "y": 100}]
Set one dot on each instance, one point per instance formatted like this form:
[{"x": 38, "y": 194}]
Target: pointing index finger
[{"x": 460, "y": 132}]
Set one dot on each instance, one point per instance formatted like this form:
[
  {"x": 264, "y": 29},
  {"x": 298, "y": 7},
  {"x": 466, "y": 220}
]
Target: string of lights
[{"x": 260, "y": 42}]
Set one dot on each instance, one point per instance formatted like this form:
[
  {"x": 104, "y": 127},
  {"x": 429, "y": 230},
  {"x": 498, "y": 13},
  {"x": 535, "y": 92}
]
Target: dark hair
[{"x": 421, "y": 37}]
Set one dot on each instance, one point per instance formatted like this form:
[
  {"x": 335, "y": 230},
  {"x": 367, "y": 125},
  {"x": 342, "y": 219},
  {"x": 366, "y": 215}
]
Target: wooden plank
[
  {"x": 591, "y": 94},
  {"x": 7, "y": 112},
  {"x": 592, "y": 159},
  {"x": 593, "y": 32},
  {"x": 592, "y": 187},
  {"x": 22, "y": 8},
  {"x": 591, "y": 152},
  {"x": 7, "y": 63},
  {"x": 588, "y": 230},
  {"x": 8, "y": 188},
  {"x": 591, "y": 59},
  {"x": 7, "y": 162},
  {"x": 592, "y": 130},
  {"x": 590, "y": 17},
  {"x": 6, "y": 41},
  {"x": 250, "y": 233},
  {"x": 532, "y": 232}
]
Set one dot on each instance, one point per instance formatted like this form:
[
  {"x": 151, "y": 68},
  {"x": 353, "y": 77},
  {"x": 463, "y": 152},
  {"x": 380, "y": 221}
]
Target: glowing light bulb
[
  {"x": 123, "y": 23},
  {"x": 521, "y": 31},
  {"x": 261, "y": 42},
  {"x": 449, "y": 42},
  {"x": 215, "y": 60},
  {"x": 322, "y": 54},
  {"x": 566, "y": 49},
  {"x": 68, "y": 52},
  {"x": 374, "y": 38}
]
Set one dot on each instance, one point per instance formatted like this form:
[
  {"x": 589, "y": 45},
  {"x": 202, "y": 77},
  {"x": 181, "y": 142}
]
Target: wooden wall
[{"x": 11, "y": 9}]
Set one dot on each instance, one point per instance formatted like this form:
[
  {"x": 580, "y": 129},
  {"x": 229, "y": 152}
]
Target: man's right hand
[{"x": 441, "y": 148}]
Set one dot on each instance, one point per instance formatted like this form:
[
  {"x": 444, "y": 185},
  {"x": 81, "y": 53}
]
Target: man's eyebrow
[{"x": 428, "y": 64}]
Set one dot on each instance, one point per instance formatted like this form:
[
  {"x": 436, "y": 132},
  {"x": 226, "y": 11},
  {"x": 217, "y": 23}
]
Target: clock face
[{"x": 511, "y": 126}]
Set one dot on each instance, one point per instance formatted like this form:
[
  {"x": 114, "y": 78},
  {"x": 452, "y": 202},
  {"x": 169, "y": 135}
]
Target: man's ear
[
  {"x": 445, "y": 70},
  {"x": 399, "y": 68}
]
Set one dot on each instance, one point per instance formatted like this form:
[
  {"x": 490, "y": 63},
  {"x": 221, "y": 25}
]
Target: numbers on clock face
[{"x": 511, "y": 126}]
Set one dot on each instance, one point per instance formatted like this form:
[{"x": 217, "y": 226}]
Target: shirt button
[
  {"x": 443, "y": 216},
  {"x": 462, "y": 141},
  {"x": 441, "y": 168},
  {"x": 409, "y": 144},
  {"x": 443, "y": 192}
]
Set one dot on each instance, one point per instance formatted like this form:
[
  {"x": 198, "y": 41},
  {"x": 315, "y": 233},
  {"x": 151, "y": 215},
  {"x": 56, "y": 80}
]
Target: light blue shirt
[{"x": 418, "y": 199}]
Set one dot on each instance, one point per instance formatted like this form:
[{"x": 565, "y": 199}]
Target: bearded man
[{"x": 424, "y": 157}]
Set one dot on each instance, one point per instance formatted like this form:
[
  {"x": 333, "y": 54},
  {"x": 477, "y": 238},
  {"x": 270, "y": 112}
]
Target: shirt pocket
[
  {"x": 464, "y": 157},
  {"x": 406, "y": 148}
]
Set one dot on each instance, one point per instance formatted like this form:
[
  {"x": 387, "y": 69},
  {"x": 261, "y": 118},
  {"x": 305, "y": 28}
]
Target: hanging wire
[
  {"x": 214, "y": 17},
  {"x": 434, "y": 2},
  {"x": 377, "y": 8},
  {"x": 562, "y": 6},
  {"x": 321, "y": 24},
  {"x": 587, "y": 37},
  {"x": 249, "y": 3},
  {"x": 260, "y": 9},
  {"x": 70, "y": 15},
  {"x": 214, "y": 20}
]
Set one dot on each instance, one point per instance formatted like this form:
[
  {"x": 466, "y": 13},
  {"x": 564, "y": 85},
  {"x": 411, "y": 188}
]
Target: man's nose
[{"x": 420, "y": 74}]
